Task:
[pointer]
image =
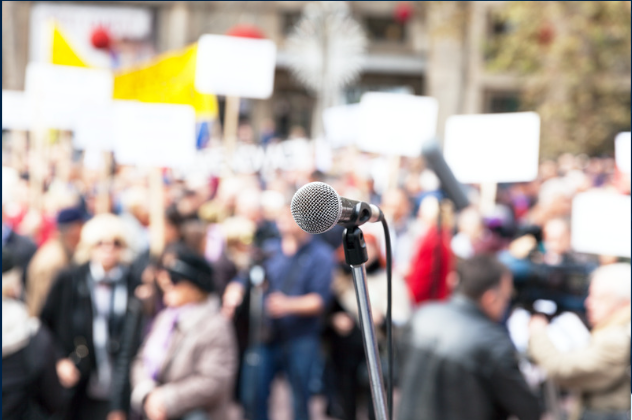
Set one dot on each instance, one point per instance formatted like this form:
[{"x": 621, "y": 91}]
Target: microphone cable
[{"x": 389, "y": 329}]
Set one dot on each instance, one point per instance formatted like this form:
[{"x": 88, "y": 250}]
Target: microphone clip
[{"x": 354, "y": 246}]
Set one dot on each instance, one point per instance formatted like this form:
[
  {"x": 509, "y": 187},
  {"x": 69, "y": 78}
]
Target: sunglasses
[{"x": 115, "y": 243}]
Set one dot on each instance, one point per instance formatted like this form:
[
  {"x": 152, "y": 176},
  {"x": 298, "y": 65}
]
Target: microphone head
[{"x": 316, "y": 207}]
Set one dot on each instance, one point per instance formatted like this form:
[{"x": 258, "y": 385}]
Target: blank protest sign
[
  {"x": 622, "y": 151},
  {"x": 493, "y": 148},
  {"x": 342, "y": 124},
  {"x": 95, "y": 127},
  {"x": 396, "y": 124},
  {"x": 601, "y": 223},
  {"x": 234, "y": 66},
  {"x": 16, "y": 110},
  {"x": 148, "y": 134},
  {"x": 58, "y": 93}
]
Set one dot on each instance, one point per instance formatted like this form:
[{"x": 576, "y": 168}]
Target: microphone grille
[{"x": 316, "y": 207}]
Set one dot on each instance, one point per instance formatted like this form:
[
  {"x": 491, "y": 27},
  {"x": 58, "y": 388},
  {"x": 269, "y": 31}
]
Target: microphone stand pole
[{"x": 356, "y": 256}]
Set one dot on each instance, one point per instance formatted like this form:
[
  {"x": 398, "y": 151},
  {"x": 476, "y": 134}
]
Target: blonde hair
[{"x": 100, "y": 228}]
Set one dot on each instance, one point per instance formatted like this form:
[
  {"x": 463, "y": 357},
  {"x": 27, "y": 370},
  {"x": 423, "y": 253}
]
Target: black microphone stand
[{"x": 356, "y": 256}]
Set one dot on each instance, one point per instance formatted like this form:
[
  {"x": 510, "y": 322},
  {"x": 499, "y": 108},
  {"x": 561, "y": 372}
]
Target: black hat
[
  {"x": 191, "y": 267},
  {"x": 70, "y": 215},
  {"x": 8, "y": 261}
]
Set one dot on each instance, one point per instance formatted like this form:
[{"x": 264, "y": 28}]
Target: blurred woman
[
  {"x": 186, "y": 366},
  {"x": 85, "y": 311},
  {"x": 29, "y": 381}
]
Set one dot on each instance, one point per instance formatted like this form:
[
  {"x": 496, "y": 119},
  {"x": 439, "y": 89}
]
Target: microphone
[
  {"x": 317, "y": 207},
  {"x": 452, "y": 187}
]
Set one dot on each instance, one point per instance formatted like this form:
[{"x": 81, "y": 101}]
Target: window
[
  {"x": 498, "y": 102},
  {"x": 384, "y": 29},
  {"x": 289, "y": 21},
  {"x": 497, "y": 29}
]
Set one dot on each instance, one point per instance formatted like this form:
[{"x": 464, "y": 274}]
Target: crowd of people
[{"x": 99, "y": 325}]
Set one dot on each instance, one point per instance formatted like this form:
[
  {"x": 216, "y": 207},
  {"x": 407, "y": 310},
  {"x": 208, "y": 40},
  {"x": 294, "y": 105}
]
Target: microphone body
[
  {"x": 452, "y": 187},
  {"x": 317, "y": 207}
]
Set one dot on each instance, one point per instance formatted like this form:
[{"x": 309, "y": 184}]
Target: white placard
[
  {"x": 493, "y": 147},
  {"x": 58, "y": 94},
  {"x": 396, "y": 124},
  {"x": 601, "y": 223},
  {"x": 342, "y": 125},
  {"x": 16, "y": 111},
  {"x": 95, "y": 127},
  {"x": 148, "y": 134},
  {"x": 234, "y": 66},
  {"x": 68, "y": 82},
  {"x": 622, "y": 151}
]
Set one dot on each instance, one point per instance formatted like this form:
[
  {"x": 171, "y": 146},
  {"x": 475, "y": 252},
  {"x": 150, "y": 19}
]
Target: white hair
[
  {"x": 102, "y": 227},
  {"x": 616, "y": 278}
]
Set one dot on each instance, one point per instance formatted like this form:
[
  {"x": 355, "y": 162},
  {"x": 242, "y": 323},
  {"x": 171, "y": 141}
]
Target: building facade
[{"x": 425, "y": 50}]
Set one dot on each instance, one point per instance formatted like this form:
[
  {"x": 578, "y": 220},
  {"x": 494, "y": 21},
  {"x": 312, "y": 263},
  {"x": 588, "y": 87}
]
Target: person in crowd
[
  {"x": 143, "y": 267},
  {"x": 347, "y": 358},
  {"x": 85, "y": 311},
  {"x": 459, "y": 362},
  {"x": 556, "y": 244},
  {"x": 22, "y": 247},
  {"x": 54, "y": 256},
  {"x": 601, "y": 370},
  {"x": 299, "y": 271},
  {"x": 473, "y": 237},
  {"x": 432, "y": 259},
  {"x": 135, "y": 215},
  {"x": 187, "y": 364},
  {"x": 397, "y": 209},
  {"x": 29, "y": 380}
]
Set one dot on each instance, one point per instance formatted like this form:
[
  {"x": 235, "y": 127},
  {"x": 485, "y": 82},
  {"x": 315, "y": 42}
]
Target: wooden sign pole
[
  {"x": 102, "y": 204},
  {"x": 37, "y": 168},
  {"x": 231, "y": 124},
  {"x": 19, "y": 153},
  {"x": 488, "y": 197},
  {"x": 156, "y": 213},
  {"x": 393, "y": 171},
  {"x": 64, "y": 163}
]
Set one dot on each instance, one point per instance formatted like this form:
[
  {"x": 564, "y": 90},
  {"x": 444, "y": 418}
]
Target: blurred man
[
  {"x": 53, "y": 257},
  {"x": 557, "y": 242},
  {"x": 397, "y": 210},
  {"x": 459, "y": 362},
  {"x": 299, "y": 270},
  {"x": 601, "y": 371}
]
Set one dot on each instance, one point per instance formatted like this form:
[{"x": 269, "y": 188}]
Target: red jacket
[{"x": 423, "y": 265}]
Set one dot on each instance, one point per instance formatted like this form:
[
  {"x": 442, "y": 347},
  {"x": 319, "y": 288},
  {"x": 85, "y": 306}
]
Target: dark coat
[
  {"x": 68, "y": 313},
  {"x": 458, "y": 365},
  {"x": 22, "y": 248},
  {"x": 29, "y": 380}
]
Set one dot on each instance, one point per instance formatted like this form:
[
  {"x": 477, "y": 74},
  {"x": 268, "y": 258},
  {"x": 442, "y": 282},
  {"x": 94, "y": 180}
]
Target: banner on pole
[{"x": 169, "y": 79}]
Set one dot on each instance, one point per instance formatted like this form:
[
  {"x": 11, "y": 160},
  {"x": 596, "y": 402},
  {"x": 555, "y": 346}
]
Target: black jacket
[
  {"x": 29, "y": 380},
  {"x": 460, "y": 365},
  {"x": 68, "y": 313},
  {"x": 22, "y": 248}
]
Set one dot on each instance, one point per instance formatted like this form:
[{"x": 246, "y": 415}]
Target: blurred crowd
[{"x": 100, "y": 323}]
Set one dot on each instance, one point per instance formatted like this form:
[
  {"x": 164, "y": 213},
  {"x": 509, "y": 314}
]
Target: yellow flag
[
  {"x": 167, "y": 79},
  {"x": 63, "y": 54}
]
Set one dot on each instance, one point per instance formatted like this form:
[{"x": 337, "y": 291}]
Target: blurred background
[{"x": 135, "y": 131}]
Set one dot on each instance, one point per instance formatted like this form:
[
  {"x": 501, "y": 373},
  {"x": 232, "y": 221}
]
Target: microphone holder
[{"x": 356, "y": 256}]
